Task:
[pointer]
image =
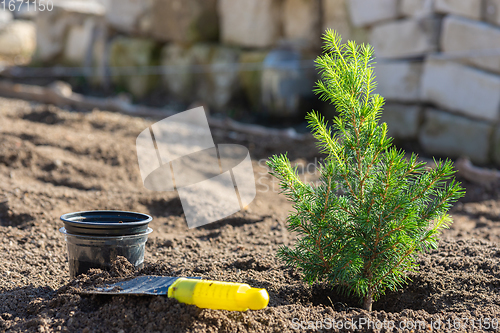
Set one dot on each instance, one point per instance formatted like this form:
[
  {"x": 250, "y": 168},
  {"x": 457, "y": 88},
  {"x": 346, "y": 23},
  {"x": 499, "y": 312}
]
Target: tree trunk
[{"x": 368, "y": 301}]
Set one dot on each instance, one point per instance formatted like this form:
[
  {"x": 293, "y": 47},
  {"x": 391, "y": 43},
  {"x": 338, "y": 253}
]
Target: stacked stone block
[
  {"x": 438, "y": 66},
  {"x": 65, "y": 34}
]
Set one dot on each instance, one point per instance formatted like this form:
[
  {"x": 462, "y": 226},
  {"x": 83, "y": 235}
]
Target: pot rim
[{"x": 142, "y": 219}]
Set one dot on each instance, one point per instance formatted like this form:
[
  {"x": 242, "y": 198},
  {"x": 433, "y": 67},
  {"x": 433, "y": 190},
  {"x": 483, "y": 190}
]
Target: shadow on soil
[
  {"x": 163, "y": 207},
  {"x": 44, "y": 115},
  {"x": 233, "y": 221},
  {"x": 32, "y": 300},
  {"x": 8, "y": 218}
]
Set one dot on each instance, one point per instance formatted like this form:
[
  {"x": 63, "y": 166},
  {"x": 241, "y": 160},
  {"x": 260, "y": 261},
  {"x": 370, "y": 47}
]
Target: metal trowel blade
[{"x": 141, "y": 285}]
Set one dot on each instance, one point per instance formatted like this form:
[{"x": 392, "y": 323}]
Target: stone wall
[
  {"x": 224, "y": 53},
  {"x": 438, "y": 65}
]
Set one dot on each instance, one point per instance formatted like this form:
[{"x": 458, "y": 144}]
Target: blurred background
[{"x": 438, "y": 61}]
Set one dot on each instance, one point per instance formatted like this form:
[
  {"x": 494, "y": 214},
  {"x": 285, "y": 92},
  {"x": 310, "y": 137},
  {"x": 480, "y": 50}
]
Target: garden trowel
[{"x": 207, "y": 294}]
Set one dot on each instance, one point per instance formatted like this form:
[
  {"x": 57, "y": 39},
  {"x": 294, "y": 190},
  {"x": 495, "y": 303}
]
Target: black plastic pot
[{"x": 96, "y": 238}]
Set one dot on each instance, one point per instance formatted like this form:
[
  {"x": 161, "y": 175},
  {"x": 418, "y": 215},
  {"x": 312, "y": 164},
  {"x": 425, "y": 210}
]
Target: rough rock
[
  {"x": 52, "y": 27},
  {"x": 127, "y": 53},
  {"x": 496, "y": 145},
  {"x": 367, "y": 12},
  {"x": 200, "y": 55},
  {"x": 80, "y": 39},
  {"x": 5, "y": 18},
  {"x": 399, "y": 80},
  {"x": 445, "y": 134},
  {"x": 129, "y": 16},
  {"x": 285, "y": 83},
  {"x": 336, "y": 16},
  {"x": 205, "y": 72},
  {"x": 459, "y": 88},
  {"x": 178, "y": 76},
  {"x": 469, "y": 8},
  {"x": 99, "y": 57},
  {"x": 18, "y": 38},
  {"x": 402, "y": 120},
  {"x": 185, "y": 21},
  {"x": 246, "y": 23},
  {"x": 405, "y": 38},
  {"x": 27, "y": 11},
  {"x": 491, "y": 13},
  {"x": 17, "y": 11},
  {"x": 222, "y": 81},
  {"x": 250, "y": 76},
  {"x": 416, "y": 8},
  {"x": 302, "y": 21},
  {"x": 461, "y": 35}
]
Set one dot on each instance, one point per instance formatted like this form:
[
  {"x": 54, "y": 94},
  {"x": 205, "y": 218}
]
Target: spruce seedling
[{"x": 362, "y": 226}]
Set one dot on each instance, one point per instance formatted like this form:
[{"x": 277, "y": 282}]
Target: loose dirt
[{"x": 54, "y": 161}]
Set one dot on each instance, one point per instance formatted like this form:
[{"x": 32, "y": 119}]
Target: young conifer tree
[{"x": 373, "y": 210}]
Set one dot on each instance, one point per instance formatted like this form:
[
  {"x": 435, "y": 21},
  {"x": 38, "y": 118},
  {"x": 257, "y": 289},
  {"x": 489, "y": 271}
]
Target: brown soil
[{"x": 54, "y": 161}]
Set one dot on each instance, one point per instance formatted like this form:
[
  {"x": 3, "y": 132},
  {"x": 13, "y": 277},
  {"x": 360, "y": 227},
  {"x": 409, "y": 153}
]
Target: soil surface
[{"x": 54, "y": 161}]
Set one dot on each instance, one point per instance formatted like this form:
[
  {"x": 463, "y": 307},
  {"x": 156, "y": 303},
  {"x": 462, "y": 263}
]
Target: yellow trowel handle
[{"x": 218, "y": 295}]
